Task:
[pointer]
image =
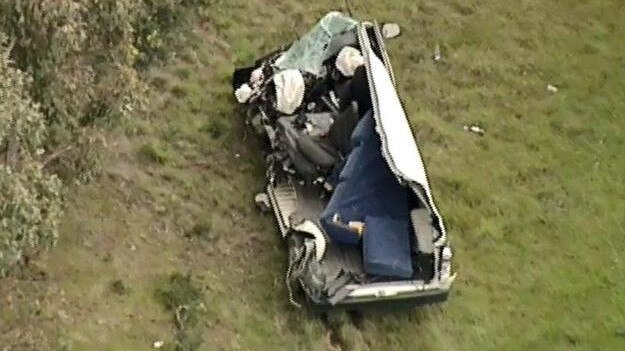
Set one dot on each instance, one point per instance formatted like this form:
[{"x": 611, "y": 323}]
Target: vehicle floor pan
[{"x": 293, "y": 203}]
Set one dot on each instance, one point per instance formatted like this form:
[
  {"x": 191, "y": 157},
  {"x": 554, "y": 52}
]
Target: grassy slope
[{"x": 535, "y": 207}]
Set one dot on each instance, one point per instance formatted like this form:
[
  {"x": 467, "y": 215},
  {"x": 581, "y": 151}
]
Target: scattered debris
[
  {"x": 475, "y": 129},
  {"x": 552, "y": 88},
  {"x": 391, "y": 30},
  {"x": 437, "y": 53},
  {"x": 262, "y": 201},
  {"x": 158, "y": 344}
]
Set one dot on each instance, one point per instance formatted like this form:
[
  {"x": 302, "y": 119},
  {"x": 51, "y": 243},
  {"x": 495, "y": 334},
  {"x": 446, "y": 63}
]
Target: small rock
[
  {"x": 133, "y": 247},
  {"x": 552, "y": 88}
]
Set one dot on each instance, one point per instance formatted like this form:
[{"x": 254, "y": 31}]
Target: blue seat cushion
[
  {"x": 365, "y": 130},
  {"x": 386, "y": 247},
  {"x": 365, "y": 187}
]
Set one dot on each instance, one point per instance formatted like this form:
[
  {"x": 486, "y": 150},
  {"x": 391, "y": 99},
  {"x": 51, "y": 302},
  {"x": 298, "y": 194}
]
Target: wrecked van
[{"x": 345, "y": 179}]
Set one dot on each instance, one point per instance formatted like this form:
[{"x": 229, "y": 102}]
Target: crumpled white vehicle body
[{"x": 315, "y": 199}]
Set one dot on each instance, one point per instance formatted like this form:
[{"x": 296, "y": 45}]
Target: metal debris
[
  {"x": 158, "y": 344},
  {"x": 552, "y": 88},
  {"x": 262, "y": 201},
  {"x": 475, "y": 129},
  {"x": 437, "y": 53}
]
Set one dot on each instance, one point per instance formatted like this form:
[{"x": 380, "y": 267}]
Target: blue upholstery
[
  {"x": 386, "y": 247},
  {"x": 340, "y": 233},
  {"x": 365, "y": 129},
  {"x": 366, "y": 187}
]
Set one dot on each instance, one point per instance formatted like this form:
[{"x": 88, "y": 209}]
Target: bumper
[{"x": 385, "y": 303}]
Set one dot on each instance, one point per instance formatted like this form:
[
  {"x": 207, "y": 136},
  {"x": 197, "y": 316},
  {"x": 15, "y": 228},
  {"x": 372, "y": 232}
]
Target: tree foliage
[
  {"x": 69, "y": 69},
  {"x": 81, "y": 56},
  {"x": 30, "y": 201}
]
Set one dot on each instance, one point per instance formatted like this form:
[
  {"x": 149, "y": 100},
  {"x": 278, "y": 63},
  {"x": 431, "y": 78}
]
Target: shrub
[
  {"x": 178, "y": 291},
  {"x": 119, "y": 287},
  {"x": 184, "y": 300},
  {"x": 30, "y": 201},
  {"x": 81, "y": 57},
  {"x": 216, "y": 128},
  {"x": 156, "y": 152},
  {"x": 30, "y": 208},
  {"x": 202, "y": 230},
  {"x": 70, "y": 71}
]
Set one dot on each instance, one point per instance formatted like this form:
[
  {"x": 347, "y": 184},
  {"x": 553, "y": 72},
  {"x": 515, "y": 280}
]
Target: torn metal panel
[{"x": 398, "y": 142}]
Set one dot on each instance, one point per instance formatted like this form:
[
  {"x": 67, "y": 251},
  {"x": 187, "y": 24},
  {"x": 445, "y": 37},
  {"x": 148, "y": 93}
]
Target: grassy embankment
[{"x": 535, "y": 207}]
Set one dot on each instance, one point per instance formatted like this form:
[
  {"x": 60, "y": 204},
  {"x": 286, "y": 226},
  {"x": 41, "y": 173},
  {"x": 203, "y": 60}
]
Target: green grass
[
  {"x": 156, "y": 152},
  {"x": 535, "y": 208},
  {"x": 184, "y": 300}
]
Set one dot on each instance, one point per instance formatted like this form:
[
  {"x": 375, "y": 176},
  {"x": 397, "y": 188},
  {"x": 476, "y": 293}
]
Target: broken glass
[{"x": 308, "y": 53}]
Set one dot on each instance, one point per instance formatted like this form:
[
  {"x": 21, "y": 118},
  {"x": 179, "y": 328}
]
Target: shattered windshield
[{"x": 308, "y": 53}]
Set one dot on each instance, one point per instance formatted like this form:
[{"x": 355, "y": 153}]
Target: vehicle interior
[{"x": 329, "y": 170}]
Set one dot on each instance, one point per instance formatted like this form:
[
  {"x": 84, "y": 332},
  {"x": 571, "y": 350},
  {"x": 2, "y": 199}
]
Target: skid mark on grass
[
  {"x": 344, "y": 330},
  {"x": 333, "y": 324}
]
